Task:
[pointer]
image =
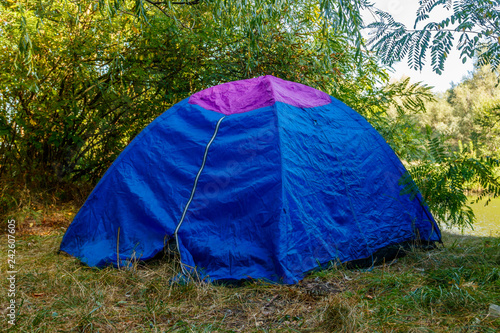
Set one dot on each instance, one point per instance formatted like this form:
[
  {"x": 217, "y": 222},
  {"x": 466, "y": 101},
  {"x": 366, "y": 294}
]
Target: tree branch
[{"x": 157, "y": 5}]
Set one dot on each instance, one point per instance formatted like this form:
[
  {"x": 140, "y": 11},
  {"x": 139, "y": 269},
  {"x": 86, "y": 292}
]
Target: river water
[{"x": 487, "y": 219}]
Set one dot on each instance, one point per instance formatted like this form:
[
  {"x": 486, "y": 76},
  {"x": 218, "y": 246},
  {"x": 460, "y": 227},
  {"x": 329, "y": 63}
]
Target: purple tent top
[{"x": 259, "y": 92}]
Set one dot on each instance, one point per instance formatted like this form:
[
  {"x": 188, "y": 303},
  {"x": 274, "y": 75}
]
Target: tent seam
[
  {"x": 193, "y": 191},
  {"x": 278, "y": 130},
  {"x": 371, "y": 129},
  {"x": 346, "y": 187}
]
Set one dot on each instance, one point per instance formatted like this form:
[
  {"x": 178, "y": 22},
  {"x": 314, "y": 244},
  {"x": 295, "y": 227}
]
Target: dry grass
[{"x": 445, "y": 290}]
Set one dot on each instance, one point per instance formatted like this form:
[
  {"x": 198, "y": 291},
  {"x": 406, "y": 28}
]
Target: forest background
[{"x": 80, "y": 79}]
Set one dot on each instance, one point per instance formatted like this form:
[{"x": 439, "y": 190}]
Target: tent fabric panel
[
  {"x": 347, "y": 183},
  {"x": 230, "y": 231},
  {"x": 416, "y": 209},
  {"x": 316, "y": 198},
  {"x": 144, "y": 191}
]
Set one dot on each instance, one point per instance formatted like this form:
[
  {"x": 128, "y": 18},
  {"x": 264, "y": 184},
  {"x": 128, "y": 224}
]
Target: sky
[{"x": 404, "y": 11}]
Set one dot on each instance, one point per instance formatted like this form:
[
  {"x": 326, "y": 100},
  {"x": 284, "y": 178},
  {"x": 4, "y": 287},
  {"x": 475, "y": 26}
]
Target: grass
[{"x": 444, "y": 290}]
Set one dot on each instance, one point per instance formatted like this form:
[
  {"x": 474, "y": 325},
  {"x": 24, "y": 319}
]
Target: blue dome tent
[{"x": 259, "y": 178}]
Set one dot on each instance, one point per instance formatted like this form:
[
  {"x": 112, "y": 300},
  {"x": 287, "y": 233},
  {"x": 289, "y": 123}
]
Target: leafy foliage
[
  {"x": 442, "y": 178},
  {"x": 473, "y": 26},
  {"x": 444, "y": 169},
  {"x": 468, "y": 112},
  {"x": 83, "y": 95},
  {"x": 390, "y": 109},
  {"x": 95, "y": 73},
  {"x": 328, "y": 17}
]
